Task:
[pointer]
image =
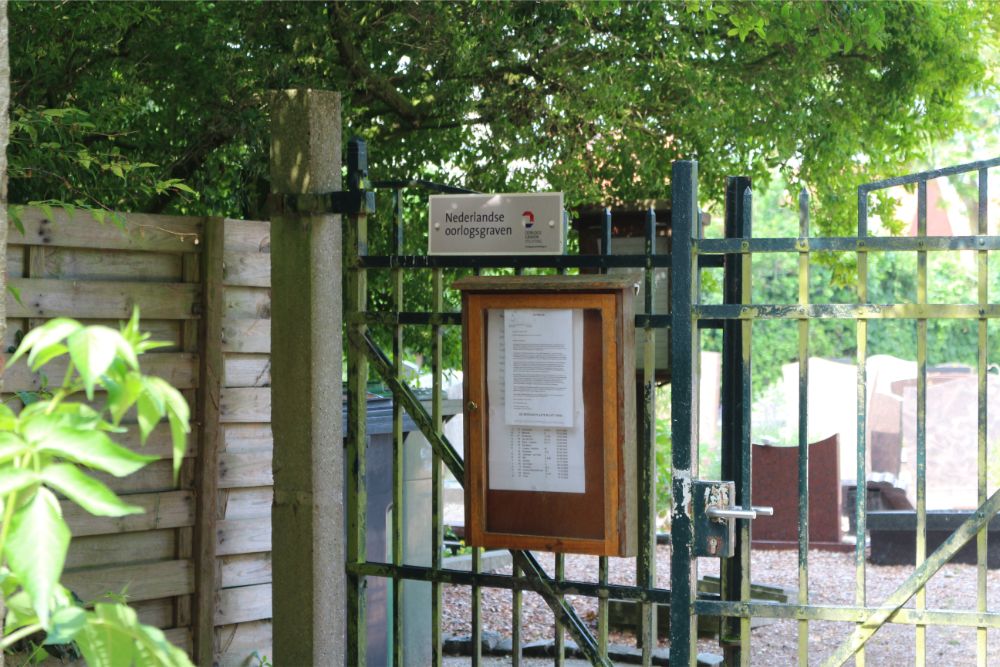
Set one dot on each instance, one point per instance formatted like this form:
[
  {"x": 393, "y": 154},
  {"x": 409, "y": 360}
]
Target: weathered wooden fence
[{"x": 197, "y": 563}]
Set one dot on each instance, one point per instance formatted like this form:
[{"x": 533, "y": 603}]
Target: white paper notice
[
  {"x": 538, "y": 367},
  {"x": 533, "y": 458}
]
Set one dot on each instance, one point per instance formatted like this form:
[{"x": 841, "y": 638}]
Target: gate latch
[{"x": 715, "y": 518}]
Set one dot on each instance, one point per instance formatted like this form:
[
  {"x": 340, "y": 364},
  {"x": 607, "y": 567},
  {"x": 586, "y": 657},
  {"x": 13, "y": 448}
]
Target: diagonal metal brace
[
  {"x": 535, "y": 574},
  {"x": 916, "y": 581}
]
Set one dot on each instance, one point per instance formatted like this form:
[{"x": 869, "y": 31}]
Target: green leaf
[
  {"x": 149, "y": 414},
  {"x": 93, "y": 349},
  {"x": 122, "y": 394},
  {"x": 16, "y": 293},
  {"x": 86, "y": 491},
  {"x": 14, "y": 212},
  {"x": 10, "y": 446},
  {"x": 105, "y": 640},
  {"x": 36, "y": 548},
  {"x": 93, "y": 449},
  {"x": 15, "y": 479},
  {"x": 40, "y": 338},
  {"x": 66, "y": 623},
  {"x": 8, "y": 421},
  {"x": 47, "y": 355}
]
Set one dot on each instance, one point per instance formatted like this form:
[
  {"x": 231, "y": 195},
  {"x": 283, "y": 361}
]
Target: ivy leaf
[
  {"x": 93, "y": 449},
  {"x": 36, "y": 548},
  {"x": 85, "y": 491}
]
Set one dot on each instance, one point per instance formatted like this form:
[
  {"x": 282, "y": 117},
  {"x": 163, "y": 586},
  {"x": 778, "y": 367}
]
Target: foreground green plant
[{"x": 50, "y": 447}]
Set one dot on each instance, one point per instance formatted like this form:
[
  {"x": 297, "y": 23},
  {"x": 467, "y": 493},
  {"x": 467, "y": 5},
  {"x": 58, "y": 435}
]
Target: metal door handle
[
  {"x": 738, "y": 513},
  {"x": 730, "y": 513}
]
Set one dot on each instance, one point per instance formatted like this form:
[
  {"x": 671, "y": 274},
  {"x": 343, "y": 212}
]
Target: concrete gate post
[{"x": 307, "y": 519}]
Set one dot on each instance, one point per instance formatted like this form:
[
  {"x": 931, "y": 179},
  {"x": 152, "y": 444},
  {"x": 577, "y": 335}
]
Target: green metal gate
[
  {"x": 375, "y": 247},
  {"x": 737, "y": 316}
]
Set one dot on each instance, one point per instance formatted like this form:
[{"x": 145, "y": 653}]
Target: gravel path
[{"x": 832, "y": 577}]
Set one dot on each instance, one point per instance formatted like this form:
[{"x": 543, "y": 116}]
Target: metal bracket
[{"x": 357, "y": 199}]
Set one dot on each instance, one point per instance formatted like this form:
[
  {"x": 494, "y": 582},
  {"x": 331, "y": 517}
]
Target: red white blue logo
[{"x": 528, "y": 219}]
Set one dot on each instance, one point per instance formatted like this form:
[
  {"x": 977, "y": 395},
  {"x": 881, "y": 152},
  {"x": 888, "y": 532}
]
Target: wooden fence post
[
  {"x": 210, "y": 379},
  {"x": 308, "y": 513}
]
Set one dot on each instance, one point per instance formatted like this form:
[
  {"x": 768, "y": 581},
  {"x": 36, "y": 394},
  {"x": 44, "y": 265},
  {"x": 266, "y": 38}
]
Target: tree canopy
[{"x": 128, "y": 103}]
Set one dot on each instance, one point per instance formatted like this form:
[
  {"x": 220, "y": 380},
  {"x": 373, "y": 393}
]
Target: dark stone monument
[{"x": 776, "y": 484}]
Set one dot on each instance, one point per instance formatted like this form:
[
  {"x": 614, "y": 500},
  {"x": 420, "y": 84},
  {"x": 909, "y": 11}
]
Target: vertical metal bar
[
  {"x": 803, "y": 595},
  {"x": 477, "y": 610},
  {"x": 602, "y": 561},
  {"x": 606, "y": 235},
  {"x": 646, "y": 563},
  {"x": 356, "y": 246},
  {"x": 861, "y": 495},
  {"x": 515, "y": 633},
  {"x": 921, "y": 547},
  {"x": 746, "y": 297},
  {"x": 397, "y": 436},
  {"x": 982, "y": 414},
  {"x": 602, "y": 608},
  {"x": 560, "y": 645},
  {"x": 731, "y": 569},
  {"x": 437, "y": 506},
  {"x": 684, "y": 410}
]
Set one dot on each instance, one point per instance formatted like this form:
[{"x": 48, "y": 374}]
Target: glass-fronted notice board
[{"x": 549, "y": 413}]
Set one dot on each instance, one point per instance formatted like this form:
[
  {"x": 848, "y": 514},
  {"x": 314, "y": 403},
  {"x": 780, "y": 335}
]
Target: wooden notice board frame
[{"x": 601, "y": 519}]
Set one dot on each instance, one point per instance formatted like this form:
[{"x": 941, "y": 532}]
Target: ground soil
[{"x": 831, "y": 581}]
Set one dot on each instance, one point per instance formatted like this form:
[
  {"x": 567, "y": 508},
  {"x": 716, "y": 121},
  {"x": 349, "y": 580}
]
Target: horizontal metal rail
[
  {"x": 929, "y": 175},
  {"x": 621, "y": 592},
  {"x": 847, "y": 244},
  {"x": 849, "y": 614},
  {"x": 637, "y": 262},
  {"x": 845, "y": 311}
]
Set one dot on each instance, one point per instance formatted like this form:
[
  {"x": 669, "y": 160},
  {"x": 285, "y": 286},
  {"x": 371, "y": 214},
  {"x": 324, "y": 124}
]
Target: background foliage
[{"x": 595, "y": 99}]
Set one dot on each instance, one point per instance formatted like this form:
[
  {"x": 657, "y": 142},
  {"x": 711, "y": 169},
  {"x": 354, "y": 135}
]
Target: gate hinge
[
  {"x": 344, "y": 202},
  {"x": 357, "y": 199}
]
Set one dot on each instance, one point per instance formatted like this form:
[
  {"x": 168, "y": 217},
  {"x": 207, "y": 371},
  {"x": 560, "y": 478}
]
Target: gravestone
[{"x": 776, "y": 484}]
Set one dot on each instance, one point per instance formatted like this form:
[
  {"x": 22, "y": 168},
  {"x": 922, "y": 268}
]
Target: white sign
[
  {"x": 538, "y": 363},
  {"x": 532, "y": 458},
  {"x": 506, "y": 224}
]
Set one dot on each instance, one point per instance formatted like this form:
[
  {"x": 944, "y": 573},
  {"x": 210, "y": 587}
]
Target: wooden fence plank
[
  {"x": 250, "y": 335},
  {"x": 248, "y": 370},
  {"x": 245, "y": 536},
  {"x": 248, "y": 303},
  {"x": 46, "y": 297},
  {"x": 243, "y": 469},
  {"x": 158, "y": 613},
  {"x": 246, "y": 570},
  {"x": 238, "y": 643},
  {"x": 239, "y": 605},
  {"x": 102, "y": 264},
  {"x": 179, "y": 637},
  {"x": 248, "y": 437},
  {"x": 248, "y": 503},
  {"x": 248, "y": 269},
  {"x": 245, "y": 404},
  {"x": 159, "y": 233},
  {"x": 248, "y": 236},
  {"x": 179, "y": 369},
  {"x": 157, "y": 476},
  {"x": 121, "y": 548},
  {"x": 144, "y": 581},
  {"x": 174, "y": 509}
]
